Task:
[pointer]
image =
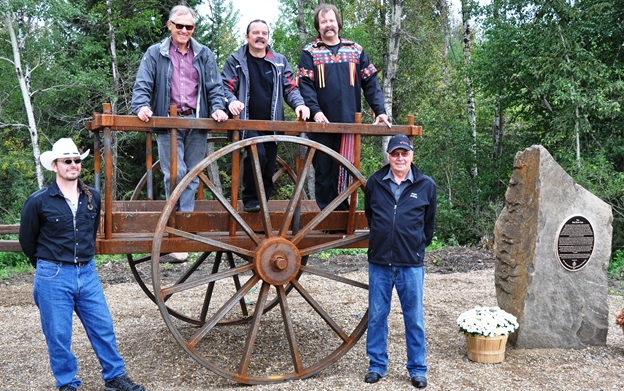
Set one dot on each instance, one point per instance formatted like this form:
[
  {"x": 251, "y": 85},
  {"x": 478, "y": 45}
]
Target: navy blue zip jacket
[
  {"x": 399, "y": 231},
  {"x": 47, "y": 227}
]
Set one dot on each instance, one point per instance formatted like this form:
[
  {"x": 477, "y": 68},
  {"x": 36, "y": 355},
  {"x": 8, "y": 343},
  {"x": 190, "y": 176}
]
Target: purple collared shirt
[{"x": 184, "y": 79}]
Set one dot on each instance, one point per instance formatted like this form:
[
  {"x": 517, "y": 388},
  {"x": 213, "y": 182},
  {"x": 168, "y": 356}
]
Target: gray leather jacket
[{"x": 152, "y": 87}]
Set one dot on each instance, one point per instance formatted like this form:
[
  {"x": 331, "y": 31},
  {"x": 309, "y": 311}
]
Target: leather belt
[
  {"x": 79, "y": 264},
  {"x": 186, "y": 112}
]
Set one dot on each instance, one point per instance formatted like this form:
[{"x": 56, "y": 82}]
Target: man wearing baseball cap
[
  {"x": 57, "y": 233},
  {"x": 400, "y": 206}
]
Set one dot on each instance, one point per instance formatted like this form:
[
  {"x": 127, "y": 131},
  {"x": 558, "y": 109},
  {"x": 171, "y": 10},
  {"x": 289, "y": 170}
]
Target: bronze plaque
[{"x": 575, "y": 243}]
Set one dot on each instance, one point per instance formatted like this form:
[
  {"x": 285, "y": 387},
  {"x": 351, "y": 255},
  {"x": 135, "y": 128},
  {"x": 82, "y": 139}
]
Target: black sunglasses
[
  {"x": 180, "y": 26},
  {"x": 70, "y": 161}
]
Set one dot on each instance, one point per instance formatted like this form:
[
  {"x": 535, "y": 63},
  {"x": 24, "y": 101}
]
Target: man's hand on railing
[
  {"x": 236, "y": 107},
  {"x": 145, "y": 113},
  {"x": 303, "y": 112},
  {"x": 320, "y": 117},
  {"x": 219, "y": 116},
  {"x": 382, "y": 118}
]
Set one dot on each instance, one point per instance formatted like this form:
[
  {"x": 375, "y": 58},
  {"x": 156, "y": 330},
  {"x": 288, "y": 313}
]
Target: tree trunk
[
  {"x": 301, "y": 27},
  {"x": 444, "y": 10},
  {"x": 113, "y": 50},
  {"x": 213, "y": 169},
  {"x": 21, "y": 77},
  {"x": 470, "y": 105},
  {"x": 498, "y": 130},
  {"x": 393, "y": 64}
]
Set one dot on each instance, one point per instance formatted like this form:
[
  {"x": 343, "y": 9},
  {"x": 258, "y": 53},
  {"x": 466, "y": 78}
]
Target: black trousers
[
  {"x": 327, "y": 170},
  {"x": 267, "y": 154}
]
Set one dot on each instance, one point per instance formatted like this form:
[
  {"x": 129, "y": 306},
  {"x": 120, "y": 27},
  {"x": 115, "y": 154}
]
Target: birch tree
[
  {"x": 393, "y": 64},
  {"x": 470, "y": 104},
  {"x": 8, "y": 18}
]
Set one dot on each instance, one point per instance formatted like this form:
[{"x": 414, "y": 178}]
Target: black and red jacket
[{"x": 333, "y": 83}]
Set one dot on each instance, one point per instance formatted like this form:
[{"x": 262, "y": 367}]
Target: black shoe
[
  {"x": 372, "y": 377},
  {"x": 335, "y": 232},
  {"x": 252, "y": 206},
  {"x": 419, "y": 381},
  {"x": 122, "y": 383},
  {"x": 67, "y": 388}
]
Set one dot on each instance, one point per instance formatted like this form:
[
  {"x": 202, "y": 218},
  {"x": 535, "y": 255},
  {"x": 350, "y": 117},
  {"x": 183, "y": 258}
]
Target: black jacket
[
  {"x": 47, "y": 227},
  {"x": 399, "y": 232}
]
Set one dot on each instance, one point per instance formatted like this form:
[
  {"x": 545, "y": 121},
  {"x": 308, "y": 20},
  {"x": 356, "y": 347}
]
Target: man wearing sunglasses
[
  {"x": 400, "y": 205},
  {"x": 182, "y": 72},
  {"x": 256, "y": 80},
  {"x": 57, "y": 233}
]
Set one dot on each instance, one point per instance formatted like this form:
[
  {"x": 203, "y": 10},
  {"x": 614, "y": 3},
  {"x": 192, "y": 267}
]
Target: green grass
[{"x": 13, "y": 263}]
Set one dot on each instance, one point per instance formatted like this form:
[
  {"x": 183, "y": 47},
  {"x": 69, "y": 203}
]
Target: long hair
[{"x": 323, "y": 8}]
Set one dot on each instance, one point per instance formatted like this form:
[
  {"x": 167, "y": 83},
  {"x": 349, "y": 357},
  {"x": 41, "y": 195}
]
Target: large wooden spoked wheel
[
  {"x": 314, "y": 327},
  {"x": 143, "y": 276}
]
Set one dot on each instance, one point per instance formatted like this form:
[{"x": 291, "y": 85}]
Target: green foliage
[
  {"x": 337, "y": 252},
  {"x": 616, "y": 264}
]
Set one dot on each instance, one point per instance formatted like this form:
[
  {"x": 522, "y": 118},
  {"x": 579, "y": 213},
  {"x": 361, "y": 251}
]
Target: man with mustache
[
  {"x": 332, "y": 72},
  {"x": 182, "y": 72},
  {"x": 256, "y": 81}
]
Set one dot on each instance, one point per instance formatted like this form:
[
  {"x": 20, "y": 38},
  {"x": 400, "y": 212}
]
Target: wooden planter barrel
[{"x": 486, "y": 349}]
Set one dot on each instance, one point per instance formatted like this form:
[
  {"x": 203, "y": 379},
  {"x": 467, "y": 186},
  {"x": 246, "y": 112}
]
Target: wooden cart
[{"x": 257, "y": 261}]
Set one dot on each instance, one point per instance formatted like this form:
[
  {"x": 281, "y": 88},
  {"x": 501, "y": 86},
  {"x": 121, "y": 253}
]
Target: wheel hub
[{"x": 277, "y": 261}]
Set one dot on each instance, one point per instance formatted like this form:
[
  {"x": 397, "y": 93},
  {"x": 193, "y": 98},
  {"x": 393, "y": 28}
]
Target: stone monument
[{"x": 553, "y": 243}]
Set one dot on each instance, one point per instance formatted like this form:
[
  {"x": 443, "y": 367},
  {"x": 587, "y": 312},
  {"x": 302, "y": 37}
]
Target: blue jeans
[
  {"x": 59, "y": 291},
  {"x": 191, "y": 150},
  {"x": 409, "y": 285}
]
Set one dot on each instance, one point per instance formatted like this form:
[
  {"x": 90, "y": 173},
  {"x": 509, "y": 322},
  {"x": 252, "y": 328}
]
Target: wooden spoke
[
  {"x": 325, "y": 212},
  {"x": 262, "y": 199},
  {"x": 253, "y": 329},
  {"x": 290, "y": 331},
  {"x": 209, "y": 241},
  {"x": 334, "y": 244},
  {"x": 140, "y": 260},
  {"x": 334, "y": 277},
  {"x": 237, "y": 284},
  {"x": 194, "y": 340},
  {"x": 294, "y": 199},
  {"x": 190, "y": 271},
  {"x": 226, "y": 204},
  {"x": 319, "y": 310},
  {"x": 205, "y": 280},
  {"x": 210, "y": 288}
]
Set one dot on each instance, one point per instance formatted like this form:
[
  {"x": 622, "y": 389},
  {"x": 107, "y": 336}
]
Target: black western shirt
[{"x": 47, "y": 228}]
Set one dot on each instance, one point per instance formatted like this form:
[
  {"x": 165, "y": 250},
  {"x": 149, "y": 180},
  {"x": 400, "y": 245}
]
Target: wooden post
[
  {"x": 108, "y": 178},
  {"x": 235, "y": 175},
  {"x": 148, "y": 163},
  {"x": 173, "y": 155},
  {"x": 356, "y": 163}
]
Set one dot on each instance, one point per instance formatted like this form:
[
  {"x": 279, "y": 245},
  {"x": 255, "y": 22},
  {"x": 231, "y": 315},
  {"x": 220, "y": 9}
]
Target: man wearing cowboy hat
[{"x": 57, "y": 233}]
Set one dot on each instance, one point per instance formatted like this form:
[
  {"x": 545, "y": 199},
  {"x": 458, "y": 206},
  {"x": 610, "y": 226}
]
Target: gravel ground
[{"x": 154, "y": 359}]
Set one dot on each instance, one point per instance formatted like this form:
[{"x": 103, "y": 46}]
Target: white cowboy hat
[{"x": 63, "y": 148}]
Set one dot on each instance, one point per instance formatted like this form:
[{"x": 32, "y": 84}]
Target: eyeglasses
[
  {"x": 70, "y": 161},
  {"x": 181, "y": 26},
  {"x": 396, "y": 154}
]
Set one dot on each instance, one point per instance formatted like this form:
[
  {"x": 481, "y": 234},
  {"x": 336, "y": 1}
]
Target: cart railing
[{"x": 126, "y": 226}]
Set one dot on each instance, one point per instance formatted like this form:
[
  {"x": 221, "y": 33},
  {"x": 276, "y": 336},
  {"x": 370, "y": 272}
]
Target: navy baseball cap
[{"x": 399, "y": 141}]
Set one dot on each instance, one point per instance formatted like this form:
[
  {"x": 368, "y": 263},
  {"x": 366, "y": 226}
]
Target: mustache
[
  {"x": 260, "y": 40},
  {"x": 329, "y": 29}
]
